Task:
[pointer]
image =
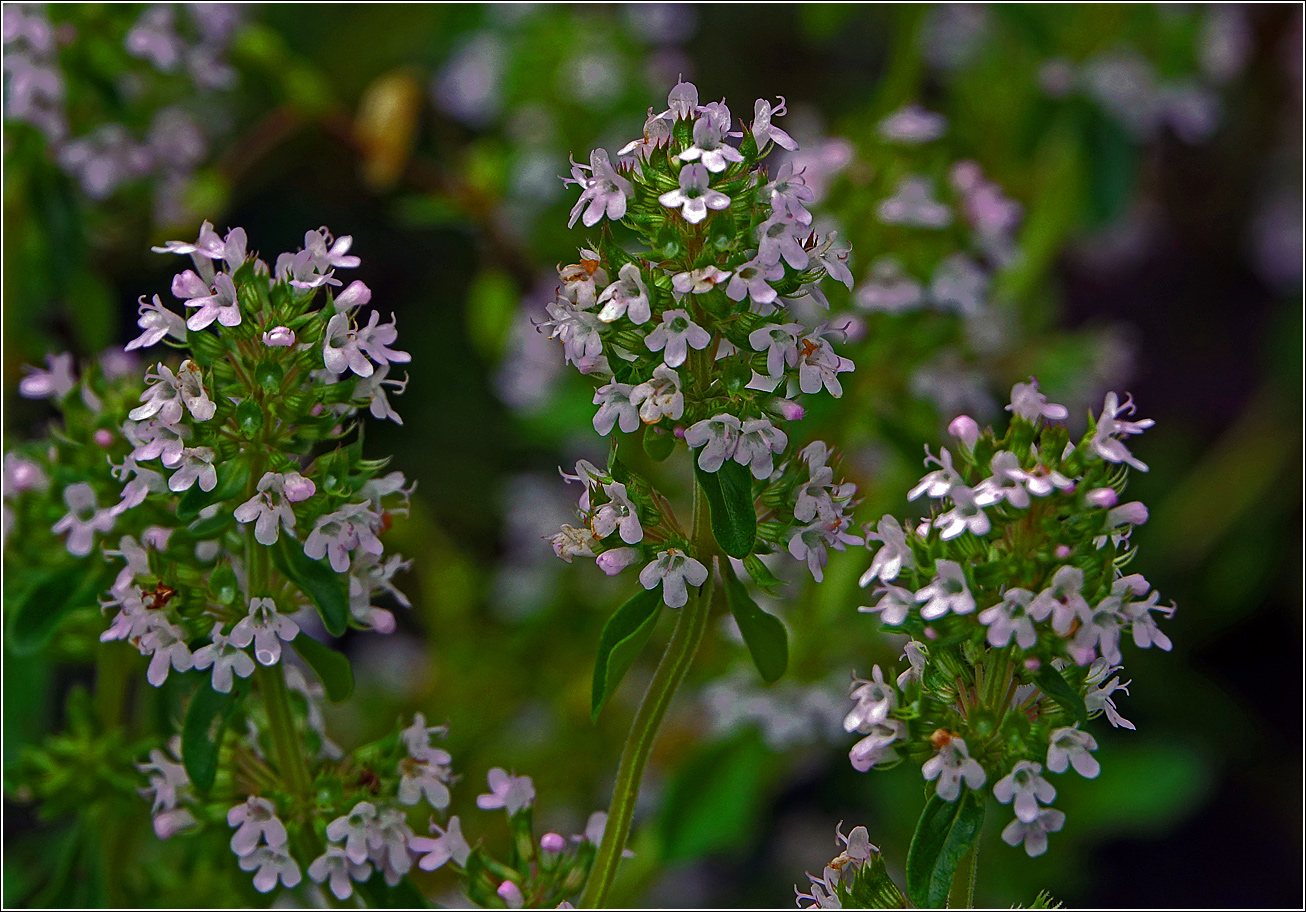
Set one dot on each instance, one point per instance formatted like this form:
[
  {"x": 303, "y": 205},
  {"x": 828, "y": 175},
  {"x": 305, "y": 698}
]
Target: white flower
[
  {"x": 352, "y": 829},
  {"x": 953, "y": 765},
  {"x": 659, "y": 397},
  {"x": 694, "y": 197},
  {"x": 83, "y": 519},
  {"x": 156, "y": 321},
  {"x": 55, "y": 383},
  {"x": 948, "y": 592},
  {"x": 166, "y": 392},
  {"x": 1110, "y": 425},
  {"x": 1098, "y": 698},
  {"x": 265, "y": 627},
  {"x": 819, "y": 365},
  {"x": 875, "y": 700},
  {"x": 256, "y": 818},
  {"x": 628, "y": 296},
  {"x": 341, "y": 348},
  {"x": 675, "y": 570},
  {"x": 221, "y": 304},
  {"x": 448, "y": 844},
  {"x": 338, "y": 533},
  {"x": 1063, "y": 600},
  {"x": 677, "y": 333},
  {"x": 939, "y": 482},
  {"x": 965, "y": 515},
  {"x": 1026, "y": 786},
  {"x": 417, "y": 738},
  {"x": 615, "y": 408},
  {"x": 1034, "y": 833},
  {"x": 618, "y": 513},
  {"x": 269, "y": 509},
  {"x": 719, "y": 436},
  {"x": 226, "y": 658},
  {"x": 196, "y": 465},
  {"x": 780, "y": 342},
  {"x": 877, "y": 746},
  {"x": 759, "y": 439},
  {"x": 698, "y": 281},
  {"x": 336, "y": 867},
  {"x": 1009, "y": 618},
  {"x": 387, "y": 842},
  {"x": 512, "y": 793},
  {"x": 913, "y": 203},
  {"x": 1030, "y": 404},
  {"x": 427, "y": 777},
  {"x": 273, "y": 863},
  {"x": 709, "y": 147},
  {"x": 166, "y": 644},
  {"x": 573, "y": 542},
  {"x": 1007, "y": 483},
  {"x": 893, "y": 606},
  {"x": 1070, "y": 747},
  {"x": 915, "y": 656},
  {"x": 893, "y": 554}
]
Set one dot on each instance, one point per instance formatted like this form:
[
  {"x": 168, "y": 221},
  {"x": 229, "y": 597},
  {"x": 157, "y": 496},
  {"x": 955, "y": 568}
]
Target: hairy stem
[{"x": 643, "y": 731}]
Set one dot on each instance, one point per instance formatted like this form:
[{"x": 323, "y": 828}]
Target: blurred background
[{"x": 1137, "y": 226}]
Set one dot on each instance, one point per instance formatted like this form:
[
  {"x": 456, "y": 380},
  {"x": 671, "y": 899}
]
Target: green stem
[
  {"x": 281, "y": 722},
  {"x": 272, "y": 680},
  {"x": 644, "y": 729}
]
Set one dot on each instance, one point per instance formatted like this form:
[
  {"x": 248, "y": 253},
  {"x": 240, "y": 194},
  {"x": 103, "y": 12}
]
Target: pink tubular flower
[
  {"x": 226, "y": 658},
  {"x": 676, "y": 571},
  {"x": 265, "y": 627},
  {"x": 447, "y": 845},
  {"x": 604, "y": 191},
  {"x": 156, "y": 321},
  {"x": 269, "y": 509}
]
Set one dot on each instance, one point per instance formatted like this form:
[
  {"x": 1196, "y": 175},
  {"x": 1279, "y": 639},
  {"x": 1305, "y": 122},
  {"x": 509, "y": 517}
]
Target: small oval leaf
[
  {"x": 764, "y": 634},
  {"x": 332, "y": 667},
  {"x": 943, "y": 834},
  {"x": 1058, "y": 688},
  {"x": 729, "y": 492},
  {"x": 201, "y": 733},
  {"x": 624, "y": 635},
  {"x": 316, "y": 580}
]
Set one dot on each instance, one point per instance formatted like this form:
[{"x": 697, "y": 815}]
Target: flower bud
[
  {"x": 552, "y": 842},
  {"x": 510, "y": 893},
  {"x": 617, "y": 559},
  {"x": 1106, "y": 498},
  {"x": 279, "y": 337},
  {"x": 788, "y": 409},
  {"x": 964, "y": 428},
  {"x": 1133, "y": 513},
  {"x": 1062, "y": 552},
  {"x": 298, "y": 488},
  {"x": 103, "y": 438},
  {"x": 357, "y": 293}
]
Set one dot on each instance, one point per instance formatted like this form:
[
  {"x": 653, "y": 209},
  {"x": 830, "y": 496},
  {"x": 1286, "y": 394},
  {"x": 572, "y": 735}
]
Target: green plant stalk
[
  {"x": 272, "y": 685},
  {"x": 643, "y": 730}
]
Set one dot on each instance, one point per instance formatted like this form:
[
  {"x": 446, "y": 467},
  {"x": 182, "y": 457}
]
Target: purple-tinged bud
[
  {"x": 279, "y": 337},
  {"x": 103, "y": 438},
  {"x": 615, "y": 560},
  {"x": 169, "y": 823},
  {"x": 788, "y": 409},
  {"x": 1106, "y": 498},
  {"x": 156, "y": 537},
  {"x": 316, "y": 409},
  {"x": 679, "y": 431},
  {"x": 1033, "y": 664},
  {"x": 552, "y": 842},
  {"x": 297, "y": 487},
  {"x": 356, "y": 294},
  {"x": 931, "y": 633},
  {"x": 1062, "y": 552},
  {"x": 188, "y": 284},
  {"x": 510, "y": 893},
  {"x": 964, "y": 428},
  {"x": 1133, "y": 513},
  {"x": 22, "y": 475}
]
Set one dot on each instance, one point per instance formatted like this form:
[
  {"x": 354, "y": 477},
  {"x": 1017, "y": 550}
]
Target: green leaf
[
  {"x": 767, "y": 581},
  {"x": 33, "y": 621},
  {"x": 1058, "y": 688},
  {"x": 315, "y": 579},
  {"x": 332, "y": 667},
  {"x": 715, "y": 799},
  {"x": 764, "y": 634},
  {"x": 873, "y": 888},
  {"x": 624, "y": 635},
  {"x": 201, "y": 732},
  {"x": 232, "y": 478},
  {"x": 211, "y": 527},
  {"x": 729, "y": 493},
  {"x": 943, "y": 834},
  {"x": 658, "y": 444}
]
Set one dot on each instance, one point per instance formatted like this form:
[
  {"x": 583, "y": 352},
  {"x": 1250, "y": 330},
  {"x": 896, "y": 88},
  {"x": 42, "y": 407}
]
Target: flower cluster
[
  {"x": 854, "y": 879},
  {"x": 224, "y": 444},
  {"x": 1014, "y": 595},
  {"x": 153, "y": 63},
  {"x": 692, "y": 338}
]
